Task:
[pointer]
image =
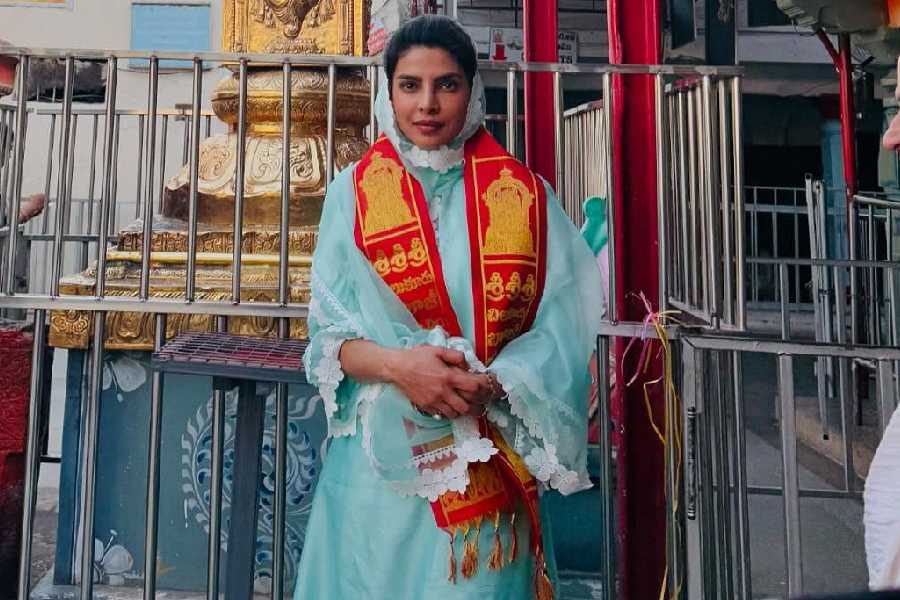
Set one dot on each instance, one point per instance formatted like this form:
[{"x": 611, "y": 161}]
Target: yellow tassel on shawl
[
  {"x": 495, "y": 561},
  {"x": 514, "y": 538},
  {"x": 451, "y": 568},
  {"x": 470, "y": 551},
  {"x": 543, "y": 587}
]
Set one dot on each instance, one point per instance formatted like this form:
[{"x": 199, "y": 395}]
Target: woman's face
[{"x": 430, "y": 95}]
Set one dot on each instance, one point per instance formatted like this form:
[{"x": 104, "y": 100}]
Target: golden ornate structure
[{"x": 312, "y": 26}]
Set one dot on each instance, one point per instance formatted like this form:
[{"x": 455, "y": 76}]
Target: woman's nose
[{"x": 428, "y": 102}]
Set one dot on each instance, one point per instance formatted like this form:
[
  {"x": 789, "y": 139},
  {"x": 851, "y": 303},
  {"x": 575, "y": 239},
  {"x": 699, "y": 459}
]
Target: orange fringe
[
  {"x": 495, "y": 561},
  {"x": 470, "y": 552},
  {"x": 451, "y": 569},
  {"x": 514, "y": 538},
  {"x": 543, "y": 587}
]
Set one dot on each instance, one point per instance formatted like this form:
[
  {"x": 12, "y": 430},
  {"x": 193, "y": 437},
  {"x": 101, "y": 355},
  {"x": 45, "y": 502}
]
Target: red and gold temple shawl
[{"x": 506, "y": 209}]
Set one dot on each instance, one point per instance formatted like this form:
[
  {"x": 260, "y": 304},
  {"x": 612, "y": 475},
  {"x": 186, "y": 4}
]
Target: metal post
[
  {"x": 607, "y": 539},
  {"x": 662, "y": 190},
  {"x": 729, "y": 301},
  {"x": 106, "y": 195},
  {"x": 286, "y": 180},
  {"x": 241, "y": 158},
  {"x": 191, "y": 283},
  {"x": 711, "y": 179},
  {"x": 215, "y": 494},
  {"x": 32, "y": 454},
  {"x": 790, "y": 476},
  {"x": 14, "y": 201},
  {"x": 91, "y": 432},
  {"x": 558, "y": 142},
  {"x": 695, "y": 533},
  {"x": 373, "y": 94},
  {"x": 846, "y": 387},
  {"x": 739, "y": 469},
  {"x": 147, "y": 235},
  {"x": 512, "y": 112},
  {"x": 740, "y": 251},
  {"x": 329, "y": 134},
  {"x": 139, "y": 164},
  {"x": 784, "y": 292},
  {"x": 62, "y": 195},
  {"x": 612, "y": 311},
  {"x": 152, "y": 517}
]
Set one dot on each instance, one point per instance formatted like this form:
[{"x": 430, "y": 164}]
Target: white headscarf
[{"x": 441, "y": 159}]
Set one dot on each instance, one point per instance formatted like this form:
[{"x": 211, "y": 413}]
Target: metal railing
[
  {"x": 708, "y": 490},
  {"x": 701, "y": 198},
  {"x": 59, "y": 238}
]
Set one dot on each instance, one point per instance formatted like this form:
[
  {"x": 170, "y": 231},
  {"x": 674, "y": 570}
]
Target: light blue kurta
[{"x": 366, "y": 540}]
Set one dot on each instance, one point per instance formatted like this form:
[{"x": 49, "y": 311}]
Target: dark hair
[{"x": 432, "y": 31}]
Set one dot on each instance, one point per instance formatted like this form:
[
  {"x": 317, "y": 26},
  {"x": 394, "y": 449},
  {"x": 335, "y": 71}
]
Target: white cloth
[{"x": 882, "y": 511}]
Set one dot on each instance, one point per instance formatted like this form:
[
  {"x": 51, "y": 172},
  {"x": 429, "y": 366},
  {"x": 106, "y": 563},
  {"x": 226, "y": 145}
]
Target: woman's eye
[
  {"x": 450, "y": 86},
  {"x": 407, "y": 86}
]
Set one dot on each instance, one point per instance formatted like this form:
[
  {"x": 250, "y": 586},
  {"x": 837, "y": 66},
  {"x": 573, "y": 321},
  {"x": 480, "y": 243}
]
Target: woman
[
  {"x": 452, "y": 316},
  {"x": 882, "y": 493}
]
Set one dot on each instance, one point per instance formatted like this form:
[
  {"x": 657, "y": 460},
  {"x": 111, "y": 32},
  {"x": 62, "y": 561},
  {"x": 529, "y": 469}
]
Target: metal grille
[{"x": 237, "y": 357}]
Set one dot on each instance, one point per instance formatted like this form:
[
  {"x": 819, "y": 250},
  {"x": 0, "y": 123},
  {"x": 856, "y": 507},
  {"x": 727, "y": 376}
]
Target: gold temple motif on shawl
[
  {"x": 382, "y": 183},
  {"x": 509, "y": 203}
]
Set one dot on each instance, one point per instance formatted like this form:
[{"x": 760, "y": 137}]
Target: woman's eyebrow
[{"x": 408, "y": 77}]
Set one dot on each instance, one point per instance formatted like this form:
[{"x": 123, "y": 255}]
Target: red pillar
[
  {"x": 635, "y": 38},
  {"x": 540, "y": 37}
]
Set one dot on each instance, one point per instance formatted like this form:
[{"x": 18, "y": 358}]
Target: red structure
[
  {"x": 635, "y": 38},
  {"x": 540, "y": 36},
  {"x": 15, "y": 378}
]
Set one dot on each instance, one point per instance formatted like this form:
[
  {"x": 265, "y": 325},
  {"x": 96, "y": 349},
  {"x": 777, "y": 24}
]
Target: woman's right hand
[{"x": 436, "y": 380}]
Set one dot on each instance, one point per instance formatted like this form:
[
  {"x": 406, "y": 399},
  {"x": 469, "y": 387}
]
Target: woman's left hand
[{"x": 489, "y": 391}]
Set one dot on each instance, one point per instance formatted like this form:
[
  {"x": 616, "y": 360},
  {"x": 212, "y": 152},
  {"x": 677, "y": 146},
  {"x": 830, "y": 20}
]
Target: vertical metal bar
[
  {"x": 286, "y": 183},
  {"x": 682, "y": 178},
  {"x": 241, "y": 155},
  {"x": 139, "y": 175},
  {"x": 887, "y": 393},
  {"x": 191, "y": 283},
  {"x": 95, "y": 130},
  {"x": 729, "y": 301},
  {"x": 152, "y": 517},
  {"x": 114, "y": 194},
  {"x": 739, "y": 249},
  {"x": 512, "y": 112},
  {"x": 695, "y": 535},
  {"x": 91, "y": 431},
  {"x": 329, "y": 137},
  {"x": 846, "y": 388},
  {"x": 607, "y": 540},
  {"x": 163, "y": 142},
  {"x": 854, "y": 276},
  {"x": 147, "y": 234},
  {"x": 15, "y": 198},
  {"x": 739, "y": 468},
  {"x": 32, "y": 453},
  {"x": 693, "y": 152},
  {"x": 48, "y": 176},
  {"x": 790, "y": 476},
  {"x": 215, "y": 495},
  {"x": 662, "y": 189},
  {"x": 711, "y": 179},
  {"x": 872, "y": 309},
  {"x": 106, "y": 197},
  {"x": 61, "y": 193},
  {"x": 783, "y": 293},
  {"x": 373, "y": 93},
  {"x": 558, "y": 143},
  {"x": 608, "y": 101},
  {"x": 281, "y": 451}
]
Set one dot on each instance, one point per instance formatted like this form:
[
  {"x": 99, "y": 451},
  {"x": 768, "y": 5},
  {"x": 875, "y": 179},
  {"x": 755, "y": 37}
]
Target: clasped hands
[{"x": 438, "y": 382}]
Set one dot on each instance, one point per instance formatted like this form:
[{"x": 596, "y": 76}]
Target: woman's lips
[{"x": 428, "y": 127}]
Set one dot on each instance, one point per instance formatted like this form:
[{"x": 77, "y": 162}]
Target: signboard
[
  {"x": 37, "y": 3},
  {"x": 508, "y": 44},
  {"x": 174, "y": 27}
]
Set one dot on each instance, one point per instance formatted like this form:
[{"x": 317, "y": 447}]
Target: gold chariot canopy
[
  {"x": 251, "y": 26},
  {"x": 296, "y": 26}
]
